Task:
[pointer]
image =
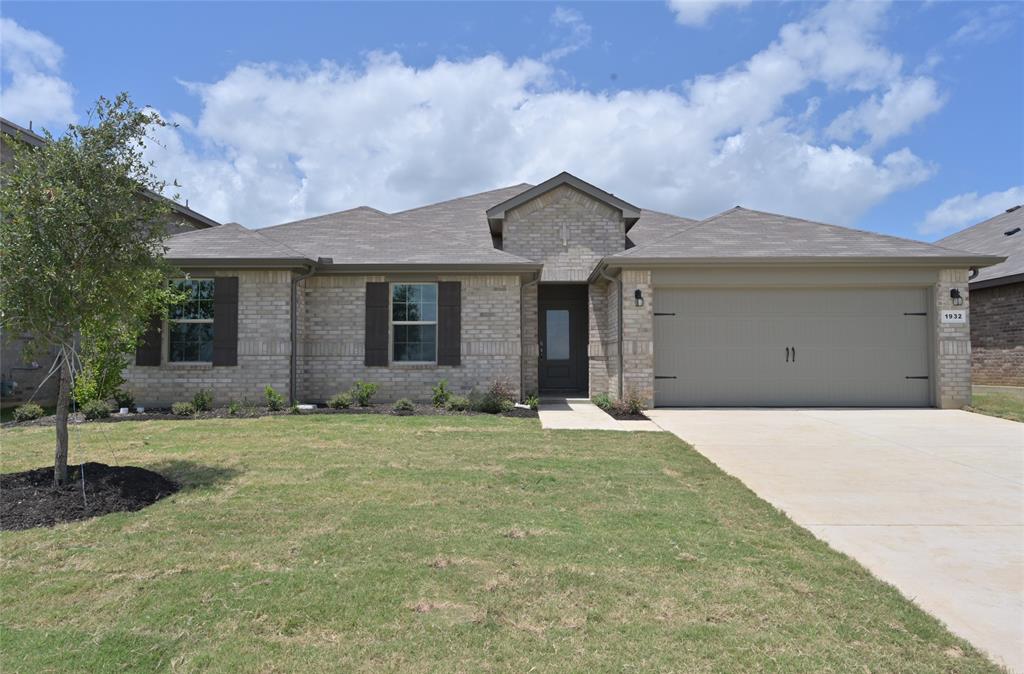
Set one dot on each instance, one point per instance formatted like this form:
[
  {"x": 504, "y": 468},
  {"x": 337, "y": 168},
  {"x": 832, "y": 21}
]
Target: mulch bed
[
  {"x": 154, "y": 414},
  {"x": 29, "y": 499}
]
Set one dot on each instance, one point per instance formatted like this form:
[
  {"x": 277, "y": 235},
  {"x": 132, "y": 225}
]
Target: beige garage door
[{"x": 791, "y": 347}]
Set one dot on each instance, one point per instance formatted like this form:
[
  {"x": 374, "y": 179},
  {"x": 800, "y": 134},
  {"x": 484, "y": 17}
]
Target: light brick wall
[
  {"x": 638, "y": 336},
  {"x": 331, "y": 339},
  {"x": 952, "y": 343},
  {"x": 565, "y": 229},
  {"x": 997, "y": 335},
  {"x": 264, "y": 339},
  {"x": 531, "y": 341},
  {"x": 604, "y": 338}
]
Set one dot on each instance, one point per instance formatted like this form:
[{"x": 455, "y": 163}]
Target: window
[
  {"x": 557, "y": 332},
  {"x": 190, "y": 326},
  {"x": 414, "y": 322}
]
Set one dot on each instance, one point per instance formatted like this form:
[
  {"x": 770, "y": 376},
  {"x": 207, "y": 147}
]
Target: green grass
[
  {"x": 1003, "y": 405},
  {"x": 374, "y": 543}
]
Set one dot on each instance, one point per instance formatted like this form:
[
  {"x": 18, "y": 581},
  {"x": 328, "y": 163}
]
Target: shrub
[
  {"x": 441, "y": 393},
  {"x": 95, "y": 409},
  {"x": 363, "y": 391},
  {"x": 275, "y": 401},
  {"x": 602, "y": 400},
  {"x": 101, "y": 376},
  {"x": 234, "y": 407},
  {"x": 533, "y": 402},
  {"x": 124, "y": 398},
  {"x": 457, "y": 403},
  {"x": 202, "y": 400},
  {"x": 294, "y": 409},
  {"x": 506, "y": 406},
  {"x": 340, "y": 401},
  {"x": 28, "y": 412},
  {"x": 631, "y": 404},
  {"x": 491, "y": 402},
  {"x": 403, "y": 406},
  {"x": 183, "y": 409}
]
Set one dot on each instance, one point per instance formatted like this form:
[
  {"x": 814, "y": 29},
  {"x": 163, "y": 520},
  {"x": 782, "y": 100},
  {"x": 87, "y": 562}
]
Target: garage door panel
[{"x": 853, "y": 346}]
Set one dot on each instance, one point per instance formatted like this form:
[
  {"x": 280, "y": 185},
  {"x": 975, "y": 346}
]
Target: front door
[{"x": 563, "y": 338}]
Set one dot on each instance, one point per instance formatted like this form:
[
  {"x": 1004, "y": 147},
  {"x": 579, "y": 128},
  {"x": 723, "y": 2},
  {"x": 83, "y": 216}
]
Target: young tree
[{"x": 81, "y": 244}]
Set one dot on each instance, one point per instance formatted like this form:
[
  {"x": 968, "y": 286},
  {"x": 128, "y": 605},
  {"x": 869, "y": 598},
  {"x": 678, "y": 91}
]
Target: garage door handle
[
  {"x": 794, "y": 354},
  {"x": 787, "y": 354}
]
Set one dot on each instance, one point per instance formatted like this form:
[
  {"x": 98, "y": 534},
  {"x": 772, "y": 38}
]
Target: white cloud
[
  {"x": 578, "y": 29},
  {"x": 274, "y": 142},
  {"x": 697, "y": 12},
  {"x": 904, "y": 104},
  {"x": 986, "y": 26},
  {"x": 968, "y": 209},
  {"x": 34, "y": 90}
]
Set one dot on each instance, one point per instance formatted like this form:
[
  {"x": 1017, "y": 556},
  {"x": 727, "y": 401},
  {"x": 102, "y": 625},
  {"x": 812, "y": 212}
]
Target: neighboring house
[
  {"x": 23, "y": 379},
  {"x": 997, "y": 298},
  {"x": 563, "y": 288}
]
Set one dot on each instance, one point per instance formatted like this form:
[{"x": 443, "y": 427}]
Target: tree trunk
[{"x": 60, "y": 458}]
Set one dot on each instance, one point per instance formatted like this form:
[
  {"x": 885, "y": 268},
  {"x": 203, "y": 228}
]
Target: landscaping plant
[
  {"x": 340, "y": 401},
  {"x": 533, "y": 402},
  {"x": 95, "y": 409},
  {"x": 403, "y": 406},
  {"x": 602, "y": 400},
  {"x": 183, "y": 409},
  {"x": 202, "y": 400},
  {"x": 275, "y": 401},
  {"x": 28, "y": 412},
  {"x": 441, "y": 394},
  {"x": 82, "y": 275},
  {"x": 458, "y": 403},
  {"x": 363, "y": 391}
]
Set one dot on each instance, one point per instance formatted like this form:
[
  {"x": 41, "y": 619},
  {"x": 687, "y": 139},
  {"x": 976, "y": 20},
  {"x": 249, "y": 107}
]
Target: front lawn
[
  {"x": 375, "y": 543},
  {"x": 1003, "y": 405}
]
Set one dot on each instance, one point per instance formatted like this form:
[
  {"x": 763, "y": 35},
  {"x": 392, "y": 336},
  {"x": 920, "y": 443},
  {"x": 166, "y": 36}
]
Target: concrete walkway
[
  {"x": 931, "y": 501},
  {"x": 582, "y": 415}
]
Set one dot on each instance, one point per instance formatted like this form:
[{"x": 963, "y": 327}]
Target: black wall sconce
[
  {"x": 954, "y": 295},
  {"x": 639, "y": 297}
]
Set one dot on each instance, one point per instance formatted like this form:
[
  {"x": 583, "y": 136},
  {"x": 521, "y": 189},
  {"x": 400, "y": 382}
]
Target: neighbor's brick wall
[
  {"x": 264, "y": 338},
  {"x": 531, "y": 341},
  {"x": 952, "y": 343},
  {"x": 603, "y": 349},
  {"x": 638, "y": 336},
  {"x": 997, "y": 335},
  {"x": 331, "y": 339},
  {"x": 592, "y": 230}
]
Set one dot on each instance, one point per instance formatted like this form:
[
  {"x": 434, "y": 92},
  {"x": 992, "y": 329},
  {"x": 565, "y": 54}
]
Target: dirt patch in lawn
[{"x": 29, "y": 499}]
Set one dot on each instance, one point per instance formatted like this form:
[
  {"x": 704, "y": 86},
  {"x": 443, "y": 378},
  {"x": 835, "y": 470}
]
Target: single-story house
[
  {"x": 23, "y": 378},
  {"x": 997, "y": 298},
  {"x": 564, "y": 288}
]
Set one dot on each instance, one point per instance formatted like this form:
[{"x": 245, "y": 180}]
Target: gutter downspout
[
  {"x": 522, "y": 336},
  {"x": 618, "y": 283},
  {"x": 293, "y": 359}
]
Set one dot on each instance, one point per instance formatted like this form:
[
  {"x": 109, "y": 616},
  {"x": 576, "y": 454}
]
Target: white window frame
[
  {"x": 168, "y": 321},
  {"x": 392, "y": 323}
]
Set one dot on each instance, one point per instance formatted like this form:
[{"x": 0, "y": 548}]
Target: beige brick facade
[
  {"x": 264, "y": 347},
  {"x": 331, "y": 339},
  {"x": 565, "y": 229},
  {"x": 952, "y": 346}
]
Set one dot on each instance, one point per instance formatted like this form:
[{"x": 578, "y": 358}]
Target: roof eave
[
  {"x": 515, "y": 267},
  {"x": 997, "y": 281},
  {"x": 240, "y": 262}
]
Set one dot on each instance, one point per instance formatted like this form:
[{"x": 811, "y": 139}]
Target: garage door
[{"x": 791, "y": 347}]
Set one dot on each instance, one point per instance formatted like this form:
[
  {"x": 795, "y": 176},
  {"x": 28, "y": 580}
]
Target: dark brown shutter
[
  {"x": 148, "y": 352},
  {"x": 449, "y": 323},
  {"x": 376, "y": 325},
  {"x": 225, "y": 320}
]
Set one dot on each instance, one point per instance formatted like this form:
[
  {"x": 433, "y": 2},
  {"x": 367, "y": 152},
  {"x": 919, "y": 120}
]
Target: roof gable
[
  {"x": 994, "y": 237},
  {"x": 496, "y": 214}
]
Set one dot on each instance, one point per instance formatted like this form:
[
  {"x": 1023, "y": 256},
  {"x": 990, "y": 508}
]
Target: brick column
[
  {"x": 952, "y": 344},
  {"x": 638, "y": 336}
]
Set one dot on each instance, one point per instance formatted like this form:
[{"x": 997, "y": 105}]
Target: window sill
[
  {"x": 406, "y": 365},
  {"x": 178, "y": 365}
]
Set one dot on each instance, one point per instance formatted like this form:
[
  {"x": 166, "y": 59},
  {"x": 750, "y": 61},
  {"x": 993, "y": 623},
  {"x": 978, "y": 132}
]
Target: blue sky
[{"x": 905, "y": 118}]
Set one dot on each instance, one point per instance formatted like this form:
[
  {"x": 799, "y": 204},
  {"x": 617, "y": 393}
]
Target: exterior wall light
[
  {"x": 639, "y": 297},
  {"x": 954, "y": 295}
]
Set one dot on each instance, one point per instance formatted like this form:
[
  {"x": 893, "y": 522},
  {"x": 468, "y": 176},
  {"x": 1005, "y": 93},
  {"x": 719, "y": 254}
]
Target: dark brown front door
[{"x": 563, "y": 338}]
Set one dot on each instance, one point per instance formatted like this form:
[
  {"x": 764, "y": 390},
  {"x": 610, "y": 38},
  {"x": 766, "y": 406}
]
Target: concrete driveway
[{"x": 931, "y": 501}]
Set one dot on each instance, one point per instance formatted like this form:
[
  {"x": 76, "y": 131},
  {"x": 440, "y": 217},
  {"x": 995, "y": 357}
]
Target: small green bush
[
  {"x": 95, "y": 409},
  {"x": 275, "y": 401},
  {"x": 403, "y": 406},
  {"x": 458, "y": 403},
  {"x": 506, "y": 406},
  {"x": 294, "y": 409},
  {"x": 363, "y": 391},
  {"x": 630, "y": 403},
  {"x": 203, "y": 400},
  {"x": 441, "y": 393},
  {"x": 491, "y": 402},
  {"x": 124, "y": 398},
  {"x": 533, "y": 402},
  {"x": 234, "y": 407},
  {"x": 340, "y": 401},
  {"x": 184, "y": 409},
  {"x": 28, "y": 412},
  {"x": 602, "y": 400}
]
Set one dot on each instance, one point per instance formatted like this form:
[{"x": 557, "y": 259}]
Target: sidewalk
[{"x": 582, "y": 415}]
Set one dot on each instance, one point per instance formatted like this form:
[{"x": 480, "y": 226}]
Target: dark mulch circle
[{"x": 29, "y": 499}]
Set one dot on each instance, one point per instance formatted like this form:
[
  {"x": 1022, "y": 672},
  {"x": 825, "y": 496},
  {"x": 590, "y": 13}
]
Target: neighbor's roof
[
  {"x": 230, "y": 243},
  {"x": 995, "y": 236},
  {"x": 744, "y": 235},
  {"x": 18, "y": 132}
]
